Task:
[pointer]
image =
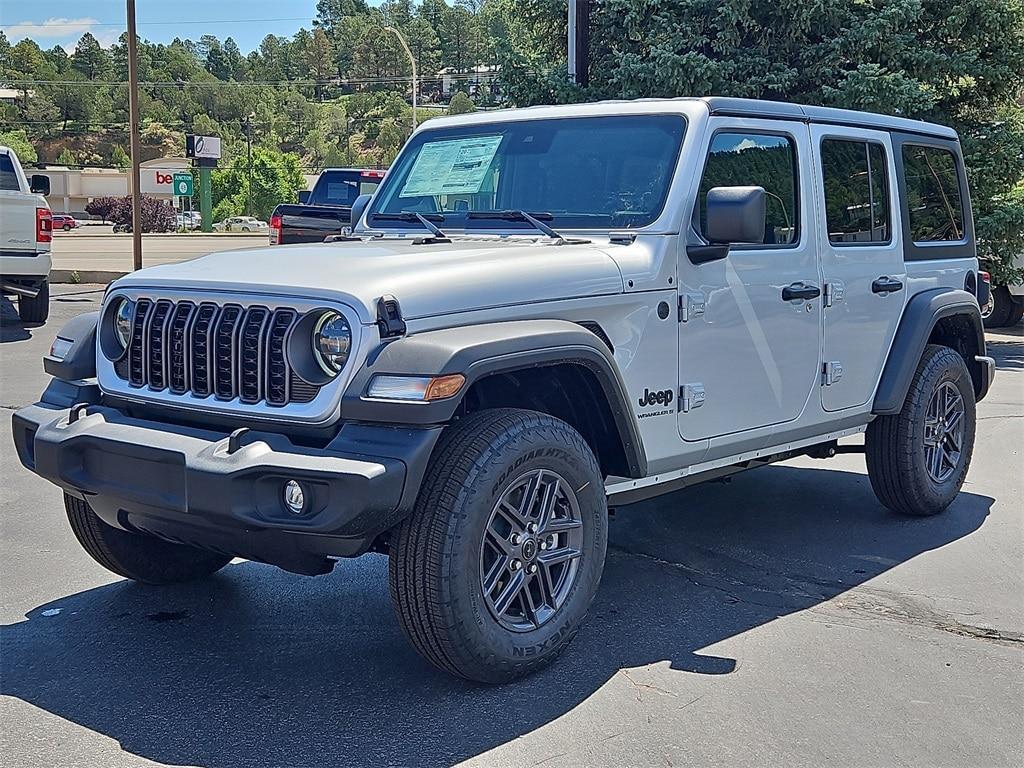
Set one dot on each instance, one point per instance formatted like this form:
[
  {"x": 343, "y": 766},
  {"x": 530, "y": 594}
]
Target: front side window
[
  {"x": 761, "y": 160},
  {"x": 933, "y": 194},
  {"x": 856, "y": 191},
  {"x": 584, "y": 173}
]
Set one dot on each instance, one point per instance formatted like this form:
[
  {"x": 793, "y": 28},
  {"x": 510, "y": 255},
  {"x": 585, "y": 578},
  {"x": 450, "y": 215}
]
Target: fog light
[
  {"x": 294, "y": 497},
  {"x": 60, "y": 348}
]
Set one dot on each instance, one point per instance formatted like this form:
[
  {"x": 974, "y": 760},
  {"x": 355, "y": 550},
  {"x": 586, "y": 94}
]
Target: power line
[
  {"x": 462, "y": 76},
  {"x": 121, "y": 25}
]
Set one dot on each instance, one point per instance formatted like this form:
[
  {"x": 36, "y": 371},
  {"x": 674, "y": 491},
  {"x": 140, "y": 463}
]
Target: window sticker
[{"x": 454, "y": 167}]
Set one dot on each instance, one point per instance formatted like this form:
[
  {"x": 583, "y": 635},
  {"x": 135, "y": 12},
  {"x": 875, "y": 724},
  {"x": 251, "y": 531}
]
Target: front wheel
[
  {"x": 917, "y": 459},
  {"x": 136, "y": 556},
  {"x": 493, "y": 573}
]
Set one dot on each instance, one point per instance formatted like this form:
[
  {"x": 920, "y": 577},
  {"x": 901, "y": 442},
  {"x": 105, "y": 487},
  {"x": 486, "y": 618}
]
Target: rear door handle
[
  {"x": 886, "y": 284},
  {"x": 803, "y": 291}
]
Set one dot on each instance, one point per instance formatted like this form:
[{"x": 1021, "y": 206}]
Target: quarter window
[
  {"x": 856, "y": 191},
  {"x": 752, "y": 159},
  {"x": 933, "y": 194}
]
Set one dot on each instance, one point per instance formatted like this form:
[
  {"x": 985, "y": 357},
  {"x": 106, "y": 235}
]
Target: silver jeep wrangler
[{"x": 540, "y": 312}]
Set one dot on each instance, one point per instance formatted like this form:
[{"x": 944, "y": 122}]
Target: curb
[{"x": 90, "y": 276}]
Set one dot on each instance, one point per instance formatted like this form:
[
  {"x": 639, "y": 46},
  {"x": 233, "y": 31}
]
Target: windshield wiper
[
  {"x": 533, "y": 219},
  {"x": 424, "y": 219}
]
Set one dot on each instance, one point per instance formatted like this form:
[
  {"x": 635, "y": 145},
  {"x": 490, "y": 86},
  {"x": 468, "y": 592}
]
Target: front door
[
  {"x": 861, "y": 260},
  {"x": 750, "y": 337}
]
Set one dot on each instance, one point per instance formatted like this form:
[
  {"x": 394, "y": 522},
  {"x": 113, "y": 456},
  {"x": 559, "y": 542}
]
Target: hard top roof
[{"x": 716, "y": 105}]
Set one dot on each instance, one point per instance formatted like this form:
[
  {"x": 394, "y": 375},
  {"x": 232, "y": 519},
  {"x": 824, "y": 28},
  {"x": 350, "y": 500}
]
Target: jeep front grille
[{"x": 205, "y": 349}]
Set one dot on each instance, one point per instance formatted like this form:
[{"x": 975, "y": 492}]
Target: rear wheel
[
  {"x": 917, "y": 459},
  {"x": 136, "y": 556},
  {"x": 494, "y": 571},
  {"x": 999, "y": 311},
  {"x": 35, "y": 309}
]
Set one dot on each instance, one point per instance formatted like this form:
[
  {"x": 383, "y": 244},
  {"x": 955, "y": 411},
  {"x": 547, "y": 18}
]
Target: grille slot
[{"x": 202, "y": 349}]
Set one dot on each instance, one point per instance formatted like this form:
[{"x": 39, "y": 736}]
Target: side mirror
[
  {"x": 734, "y": 215},
  {"x": 304, "y": 196},
  {"x": 358, "y": 209},
  {"x": 39, "y": 184}
]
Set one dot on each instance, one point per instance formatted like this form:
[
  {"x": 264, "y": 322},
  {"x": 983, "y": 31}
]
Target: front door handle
[
  {"x": 886, "y": 284},
  {"x": 801, "y": 290}
]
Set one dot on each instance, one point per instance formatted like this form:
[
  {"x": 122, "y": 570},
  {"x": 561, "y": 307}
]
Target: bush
[
  {"x": 157, "y": 215},
  {"x": 102, "y": 207}
]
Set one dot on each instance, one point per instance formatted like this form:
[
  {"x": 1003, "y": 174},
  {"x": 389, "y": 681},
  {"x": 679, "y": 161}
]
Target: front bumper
[
  {"x": 182, "y": 484},
  {"x": 988, "y": 375}
]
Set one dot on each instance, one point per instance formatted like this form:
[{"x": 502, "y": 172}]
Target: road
[
  {"x": 95, "y": 248},
  {"x": 784, "y": 618}
]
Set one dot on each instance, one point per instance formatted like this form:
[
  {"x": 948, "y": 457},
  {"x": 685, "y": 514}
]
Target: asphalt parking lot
[{"x": 783, "y": 618}]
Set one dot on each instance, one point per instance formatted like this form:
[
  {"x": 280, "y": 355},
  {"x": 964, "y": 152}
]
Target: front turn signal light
[{"x": 415, "y": 388}]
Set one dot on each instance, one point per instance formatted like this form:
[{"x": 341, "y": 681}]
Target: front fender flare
[
  {"x": 477, "y": 351},
  {"x": 922, "y": 313}
]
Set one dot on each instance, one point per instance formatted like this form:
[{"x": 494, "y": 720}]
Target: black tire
[
  {"x": 35, "y": 309},
  {"x": 435, "y": 554},
  {"x": 895, "y": 445},
  {"x": 136, "y": 556},
  {"x": 1001, "y": 309},
  {"x": 66, "y": 227}
]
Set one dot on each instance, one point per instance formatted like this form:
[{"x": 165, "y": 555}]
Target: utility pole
[
  {"x": 247, "y": 125},
  {"x": 579, "y": 41},
  {"x": 133, "y": 136},
  {"x": 412, "y": 60}
]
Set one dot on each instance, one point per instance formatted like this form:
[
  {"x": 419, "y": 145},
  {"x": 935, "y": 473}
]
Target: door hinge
[
  {"x": 690, "y": 305},
  {"x": 691, "y": 396},
  {"x": 834, "y": 292},
  {"x": 832, "y": 372}
]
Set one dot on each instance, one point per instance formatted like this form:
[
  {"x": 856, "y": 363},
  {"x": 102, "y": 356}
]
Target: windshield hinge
[{"x": 389, "y": 317}]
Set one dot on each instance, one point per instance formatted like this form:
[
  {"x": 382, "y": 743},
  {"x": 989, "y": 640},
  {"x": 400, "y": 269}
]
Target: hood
[{"x": 427, "y": 280}]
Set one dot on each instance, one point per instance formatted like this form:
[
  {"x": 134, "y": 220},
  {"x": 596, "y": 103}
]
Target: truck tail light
[
  {"x": 985, "y": 277},
  {"x": 44, "y": 225},
  {"x": 275, "y": 230}
]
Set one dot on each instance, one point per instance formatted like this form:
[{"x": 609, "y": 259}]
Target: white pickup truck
[{"x": 26, "y": 232}]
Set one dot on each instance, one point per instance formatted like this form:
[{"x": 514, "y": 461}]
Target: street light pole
[
  {"x": 248, "y": 149},
  {"x": 412, "y": 60},
  {"x": 133, "y": 137}
]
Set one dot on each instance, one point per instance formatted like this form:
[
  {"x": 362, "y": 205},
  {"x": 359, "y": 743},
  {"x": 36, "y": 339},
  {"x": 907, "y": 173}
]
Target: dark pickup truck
[{"x": 325, "y": 210}]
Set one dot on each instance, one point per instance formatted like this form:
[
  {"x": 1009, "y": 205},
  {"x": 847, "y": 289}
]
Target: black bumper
[{"x": 183, "y": 484}]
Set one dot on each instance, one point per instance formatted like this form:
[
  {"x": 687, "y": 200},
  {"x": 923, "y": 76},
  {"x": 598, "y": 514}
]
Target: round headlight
[
  {"x": 123, "y": 321},
  {"x": 332, "y": 339}
]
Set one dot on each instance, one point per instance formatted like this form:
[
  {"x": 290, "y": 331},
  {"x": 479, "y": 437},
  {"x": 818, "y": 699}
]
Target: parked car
[
  {"x": 1005, "y": 306},
  {"x": 240, "y": 224},
  {"x": 539, "y": 314},
  {"x": 26, "y": 235},
  {"x": 326, "y": 209},
  {"x": 65, "y": 222},
  {"x": 188, "y": 220}
]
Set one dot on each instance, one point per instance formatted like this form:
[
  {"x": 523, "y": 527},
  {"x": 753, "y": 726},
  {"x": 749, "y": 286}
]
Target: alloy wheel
[
  {"x": 531, "y": 549},
  {"x": 944, "y": 432}
]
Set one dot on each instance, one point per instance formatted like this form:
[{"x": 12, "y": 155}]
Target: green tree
[
  {"x": 119, "y": 158},
  {"x": 89, "y": 58},
  {"x": 319, "y": 58},
  {"x": 66, "y": 157},
  {"x": 276, "y": 178},
  {"x": 18, "y": 141},
  {"x": 460, "y": 104}
]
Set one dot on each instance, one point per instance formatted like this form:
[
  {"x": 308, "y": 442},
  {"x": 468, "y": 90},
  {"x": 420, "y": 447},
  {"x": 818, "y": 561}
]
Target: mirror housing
[
  {"x": 735, "y": 215},
  {"x": 358, "y": 209},
  {"x": 304, "y": 196},
  {"x": 39, "y": 184}
]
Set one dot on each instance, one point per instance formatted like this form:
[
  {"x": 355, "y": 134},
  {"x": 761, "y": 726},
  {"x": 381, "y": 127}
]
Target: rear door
[
  {"x": 746, "y": 342},
  {"x": 861, "y": 259}
]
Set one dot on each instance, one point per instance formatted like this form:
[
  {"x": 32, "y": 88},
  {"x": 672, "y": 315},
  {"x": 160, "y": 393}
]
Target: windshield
[{"x": 584, "y": 173}]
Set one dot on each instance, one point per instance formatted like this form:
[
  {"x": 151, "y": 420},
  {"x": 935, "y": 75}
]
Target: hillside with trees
[{"x": 338, "y": 93}]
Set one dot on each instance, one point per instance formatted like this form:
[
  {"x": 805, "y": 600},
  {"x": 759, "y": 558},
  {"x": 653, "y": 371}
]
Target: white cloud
[{"x": 51, "y": 28}]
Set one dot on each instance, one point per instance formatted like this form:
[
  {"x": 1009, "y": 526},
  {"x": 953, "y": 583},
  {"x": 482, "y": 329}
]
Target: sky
[{"x": 63, "y": 22}]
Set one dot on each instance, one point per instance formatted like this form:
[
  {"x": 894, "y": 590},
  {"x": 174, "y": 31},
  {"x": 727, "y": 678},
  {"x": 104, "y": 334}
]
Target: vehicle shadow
[
  {"x": 11, "y": 327},
  {"x": 1008, "y": 354},
  {"x": 258, "y": 667}
]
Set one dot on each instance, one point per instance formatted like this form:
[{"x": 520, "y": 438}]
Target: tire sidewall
[
  {"x": 484, "y": 638},
  {"x": 947, "y": 366}
]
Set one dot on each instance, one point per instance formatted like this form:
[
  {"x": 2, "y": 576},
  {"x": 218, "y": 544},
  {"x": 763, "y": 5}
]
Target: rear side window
[
  {"x": 856, "y": 191},
  {"x": 8, "y": 177},
  {"x": 933, "y": 194},
  {"x": 753, "y": 159}
]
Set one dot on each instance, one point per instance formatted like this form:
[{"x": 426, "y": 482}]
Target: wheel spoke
[
  {"x": 556, "y": 556},
  {"x": 509, "y": 593},
  {"x": 561, "y": 524},
  {"x": 530, "y": 496},
  {"x": 490, "y": 580},
  {"x": 512, "y": 515},
  {"x": 498, "y": 541},
  {"x": 547, "y": 506},
  {"x": 529, "y": 608},
  {"x": 546, "y": 583},
  {"x": 936, "y": 462}
]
